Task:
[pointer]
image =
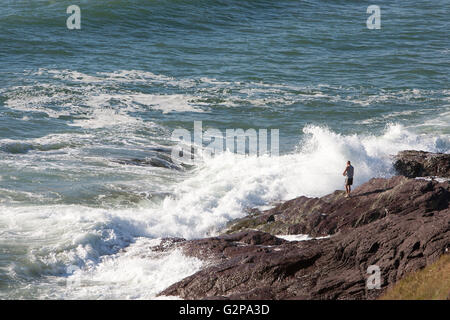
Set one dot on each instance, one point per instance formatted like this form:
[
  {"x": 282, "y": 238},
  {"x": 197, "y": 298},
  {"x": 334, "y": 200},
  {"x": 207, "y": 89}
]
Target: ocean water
[{"x": 77, "y": 217}]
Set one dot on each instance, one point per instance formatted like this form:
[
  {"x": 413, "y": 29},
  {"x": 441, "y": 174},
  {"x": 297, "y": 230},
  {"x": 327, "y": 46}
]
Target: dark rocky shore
[{"x": 400, "y": 224}]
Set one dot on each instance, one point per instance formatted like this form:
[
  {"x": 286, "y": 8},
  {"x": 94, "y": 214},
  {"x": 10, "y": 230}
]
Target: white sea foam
[
  {"x": 218, "y": 190},
  {"x": 99, "y": 100},
  {"x": 228, "y": 183},
  {"x": 299, "y": 237},
  {"x": 72, "y": 93},
  {"x": 442, "y": 120},
  {"x": 111, "y": 251},
  {"x": 438, "y": 179},
  {"x": 100, "y": 109},
  {"x": 135, "y": 273}
]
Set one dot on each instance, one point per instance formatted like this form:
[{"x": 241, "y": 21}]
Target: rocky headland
[{"x": 400, "y": 224}]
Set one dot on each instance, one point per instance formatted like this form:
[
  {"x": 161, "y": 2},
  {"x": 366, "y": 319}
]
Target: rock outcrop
[
  {"x": 398, "y": 224},
  {"x": 411, "y": 163},
  {"x": 334, "y": 213}
]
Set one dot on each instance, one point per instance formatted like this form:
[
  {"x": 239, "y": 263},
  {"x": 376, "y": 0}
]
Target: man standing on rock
[{"x": 349, "y": 170}]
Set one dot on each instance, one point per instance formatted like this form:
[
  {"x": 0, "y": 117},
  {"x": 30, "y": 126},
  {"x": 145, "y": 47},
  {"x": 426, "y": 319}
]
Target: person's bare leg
[{"x": 349, "y": 190}]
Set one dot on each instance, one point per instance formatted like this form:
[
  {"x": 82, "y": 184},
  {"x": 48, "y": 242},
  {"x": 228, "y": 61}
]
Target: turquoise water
[{"x": 77, "y": 105}]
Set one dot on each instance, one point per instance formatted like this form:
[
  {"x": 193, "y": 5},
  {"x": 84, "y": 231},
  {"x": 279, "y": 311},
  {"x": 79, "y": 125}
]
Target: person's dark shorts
[{"x": 348, "y": 181}]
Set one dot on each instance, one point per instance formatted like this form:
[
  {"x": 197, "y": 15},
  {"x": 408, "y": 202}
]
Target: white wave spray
[{"x": 111, "y": 246}]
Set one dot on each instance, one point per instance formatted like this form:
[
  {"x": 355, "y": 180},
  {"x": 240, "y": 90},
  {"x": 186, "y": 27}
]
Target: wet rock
[
  {"x": 160, "y": 162},
  {"x": 411, "y": 163}
]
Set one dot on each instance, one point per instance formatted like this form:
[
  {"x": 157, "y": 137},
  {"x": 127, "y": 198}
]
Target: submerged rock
[{"x": 160, "y": 161}]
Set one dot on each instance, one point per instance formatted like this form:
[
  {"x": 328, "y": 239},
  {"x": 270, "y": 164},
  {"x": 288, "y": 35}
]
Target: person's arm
[{"x": 345, "y": 171}]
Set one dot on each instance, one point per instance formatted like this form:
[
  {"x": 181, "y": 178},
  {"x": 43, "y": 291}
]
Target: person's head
[{"x": 348, "y": 162}]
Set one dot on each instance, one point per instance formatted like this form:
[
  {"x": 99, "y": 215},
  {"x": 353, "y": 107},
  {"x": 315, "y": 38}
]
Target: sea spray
[{"x": 219, "y": 189}]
